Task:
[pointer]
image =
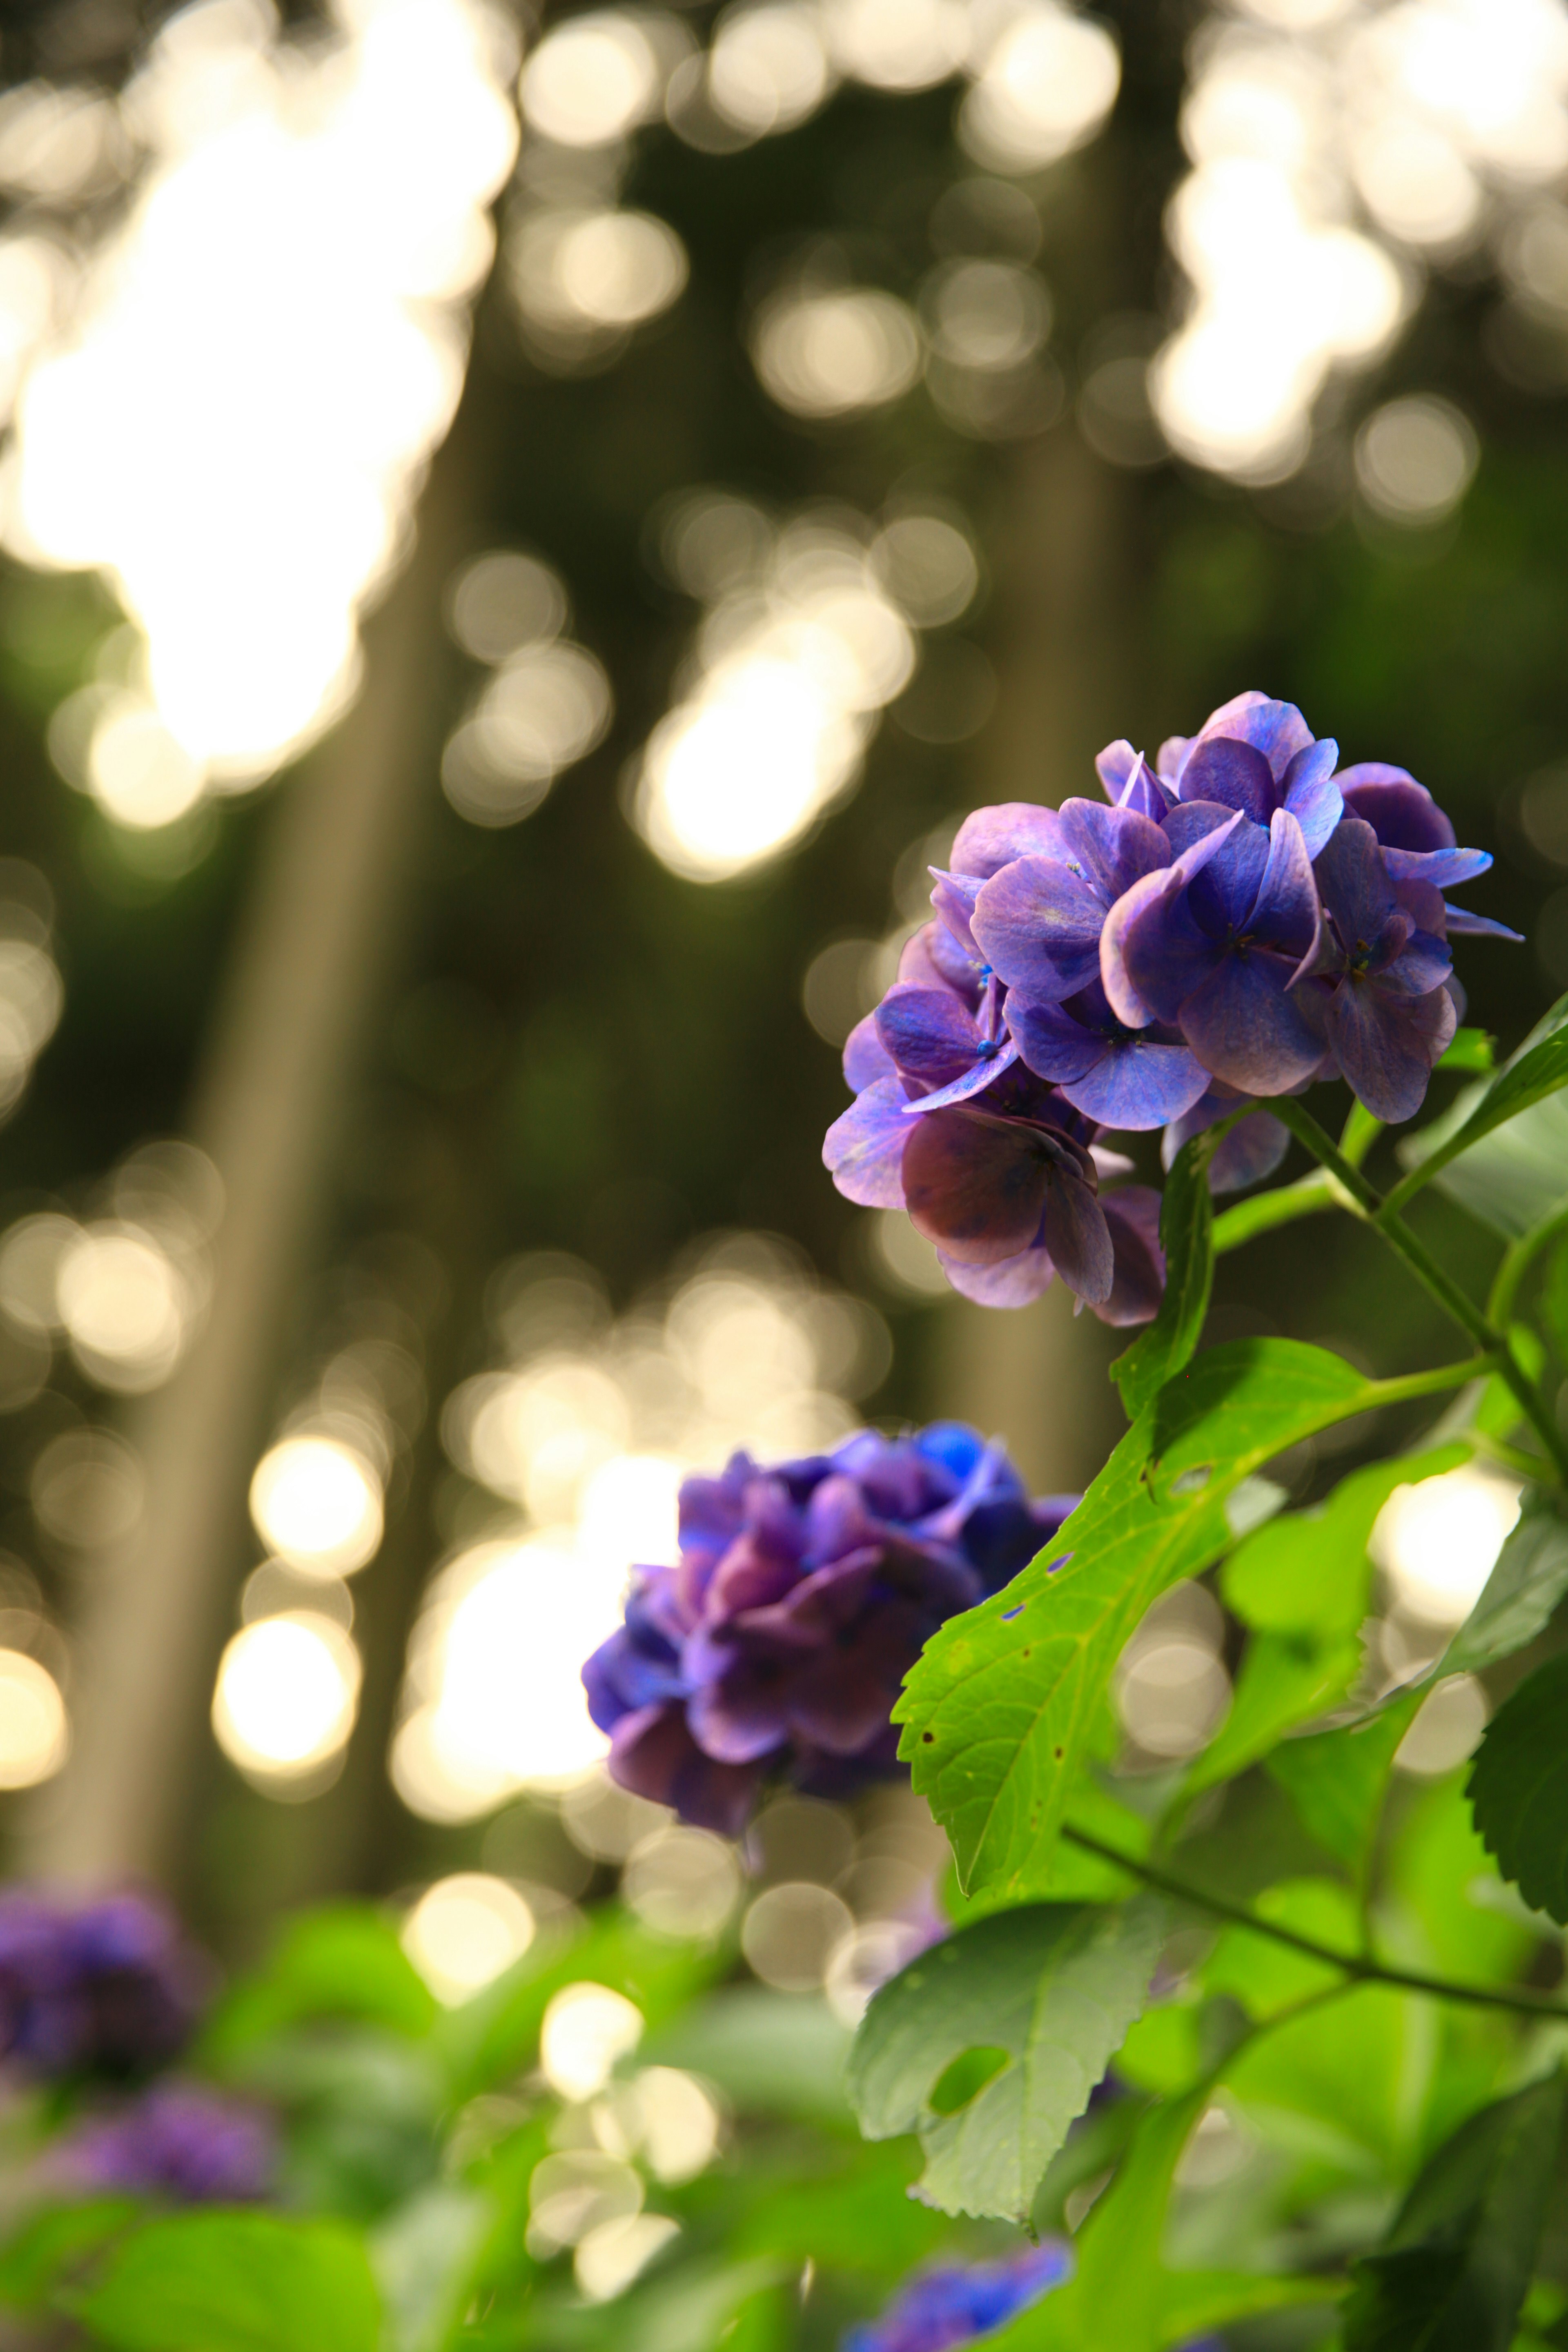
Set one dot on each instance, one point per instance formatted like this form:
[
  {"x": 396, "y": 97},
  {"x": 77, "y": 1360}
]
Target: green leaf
[
  {"x": 1336, "y": 1779},
  {"x": 1309, "y": 1572},
  {"x": 1039, "y": 2000},
  {"x": 857, "y": 2216},
  {"x": 1521, "y": 1595},
  {"x": 1285, "y": 1679},
  {"x": 999, "y": 1710},
  {"x": 1519, "y": 1789},
  {"x": 772, "y": 2053},
  {"x": 344, "y": 1960},
  {"x": 1555, "y": 1300},
  {"x": 1469, "y": 1049},
  {"x": 1454, "y": 2269},
  {"x": 1537, "y": 1072},
  {"x": 425, "y": 2255},
  {"x": 218, "y": 2282},
  {"x": 1186, "y": 1236},
  {"x": 51, "y": 2242}
]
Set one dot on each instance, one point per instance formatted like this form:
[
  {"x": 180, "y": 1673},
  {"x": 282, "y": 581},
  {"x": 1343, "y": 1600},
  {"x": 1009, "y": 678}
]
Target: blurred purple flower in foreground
[
  {"x": 955, "y": 2302},
  {"x": 178, "y": 2143},
  {"x": 1244, "y": 917},
  {"x": 804, "y": 1592},
  {"x": 110, "y": 1987}
]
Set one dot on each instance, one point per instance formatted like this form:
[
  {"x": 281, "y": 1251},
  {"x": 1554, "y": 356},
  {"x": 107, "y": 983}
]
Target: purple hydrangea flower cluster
[
  {"x": 775, "y": 1647},
  {"x": 108, "y": 1988},
  {"x": 178, "y": 2143},
  {"x": 954, "y": 2302},
  {"x": 1232, "y": 923}
]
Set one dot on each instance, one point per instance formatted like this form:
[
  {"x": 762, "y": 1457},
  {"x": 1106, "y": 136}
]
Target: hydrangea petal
[
  {"x": 1224, "y": 894},
  {"x": 1402, "y": 813},
  {"x": 1055, "y": 1046},
  {"x": 1462, "y": 924},
  {"x": 863, "y": 1151},
  {"x": 1114, "y": 847},
  {"x": 1276, "y": 728},
  {"x": 1039, "y": 926},
  {"x": 1074, "y": 1230},
  {"x": 1138, "y": 1283},
  {"x": 1138, "y": 1085},
  {"x": 1311, "y": 794},
  {"x": 994, "y": 837},
  {"x": 1386, "y": 1046},
  {"x": 1251, "y": 1152},
  {"x": 976, "y": 1186},
  {"x": 929, "y": 1033},
  {"x": 1286, "y": 912},
  {"x": 1013, "y": 1282},
  {"x": 655, "y": 1756},
  {"x": 1245, "y": 1028},
  {"x": 954, "y": 899},
  {"x": 866, "y": 1059},
  {"x": 1444, "y": 869},
  {"x": 1232, "y": 774},
  {"x": 1355, "y": 882},
  {"x": 984, "y": 1072}
]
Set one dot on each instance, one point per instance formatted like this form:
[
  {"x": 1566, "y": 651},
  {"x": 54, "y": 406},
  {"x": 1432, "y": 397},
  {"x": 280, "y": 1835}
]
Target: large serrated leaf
[
  {"x": 1308, "y": 1571},
  {"x": 1187, "y": 1237},
  {"x": 999, "y": 1710},
  {"x": 1042, "y": 1996},
  {"x": 1336, "y": 1778},
  {"x": 1519, "y": 1789},
  {"x": 236, "y": 2282},
  {"x": 1502, "y": 1149},
  {"x": 1521, "y": 1595},
  {"x": 1455, "y": 2268}
]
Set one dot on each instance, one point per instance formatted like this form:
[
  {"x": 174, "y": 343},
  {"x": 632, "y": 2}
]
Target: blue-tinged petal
[
  {"x": 863, "y": 1152},
  {"x": 930, "y": 1035},
  {"x": 1138, "y": 1085},
  {"x": 1073, "y": 1229},
  {"x": 1186, "y": 822},
  {"x": 1462, "y": 924},
  {"x": 993, "y": 1058},
  {"x": 1116, "y": 766},
  {"x": 932, "y": 958},
  {"x": 1235, "y": 774},
  {"x": 1226, "y": 892},
  {"x": 993, "y": 838},
  {"x": 1422, "y": 964},
  {"x": 1251, "y": 1152},
  {"x": 954, "y": 899},
  {"x": 1113, "y": 847},
  {"x": 1056, "y": 1047},
  {"x": 866, "y": 1059},
  {"x": 976, "y": 1186},
  {"x": 1286, "y": 913},
  {"x": 1355, "y": 885},
  {"x": 1014, "y": 1282},
  {"x": 1138, "y": 1283},
  {"x": 1311, "y": 794},
  {"x": 1402, "y": 813},
  {"x": 1245, "y": 1029},
  {"x": 1151, "y": 952},
  {"x": 1130, "y": 783},
  {"x": 1444, "y": 869},
  {"x": 1172, "y": 758},
  {"x": 1276, "y": 728},
  {"x": 1039, "y": 927},
  {"x": 1386, "y": 1046},
  {"x": 654, "y": 1755}
]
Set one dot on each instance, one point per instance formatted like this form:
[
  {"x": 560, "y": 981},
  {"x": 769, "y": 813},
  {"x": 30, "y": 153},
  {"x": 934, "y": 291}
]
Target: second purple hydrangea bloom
[{"x": 1243, "y": 918}]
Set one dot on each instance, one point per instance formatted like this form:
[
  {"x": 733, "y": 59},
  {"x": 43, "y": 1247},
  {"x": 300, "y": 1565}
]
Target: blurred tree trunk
[{"x": 314, "y": 955}]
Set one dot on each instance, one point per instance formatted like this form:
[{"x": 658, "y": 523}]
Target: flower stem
[
  {"x": 1360, "y": 1965},
  {"x": 1454, "y": 1302},
  {"x": 1517, "y": 1262}
]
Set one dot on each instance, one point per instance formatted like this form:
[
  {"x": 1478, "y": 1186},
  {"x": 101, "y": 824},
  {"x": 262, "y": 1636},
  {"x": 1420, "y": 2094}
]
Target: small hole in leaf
[
  {"x": 1008, "y": 1614},
  {"x": 965, "y": 2079},
  {"x": 1192, "y": 1481}
]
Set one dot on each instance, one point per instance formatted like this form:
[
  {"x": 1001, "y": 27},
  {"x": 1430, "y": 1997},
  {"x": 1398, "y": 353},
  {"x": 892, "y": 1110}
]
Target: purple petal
[
  {"x": 654, "y": 1755},
  {"x": 1015, "y": 1282},
  {"x": 1402, "y": 813},
  {"x": 1444, "y": 869},
  {"x": 1112, "y": 848},
  {"x": 1311, "y": 794},
  {"x": 932, "y": 958},
  {"x": 954, "y": 899},
  {"x": 1422, "y": 964},
  {"x": 1225, "y": 894},
  {"x": 1138, "y": 1284},
  {"x": 1172, "y": 758},
  {"x": 1138, "y": 1085},
  {"x": 1074, "y": 1231},
  {"x": 1151, "y": 952},
  {"x": 993, "y": 838},
  {"x": 1386, "y": 1046},
  {"x": 1276, "y": 728},
  {"x": 1116, "y": 766},
  {"x": 1234, "y": 775},
  {"x": 976, "y": 1186},
  {"x": 1287, "y": 913},
  {"x": 1189, "y": 822},
  {"x": 991, "y": 1061},
  {"x": 863, "y": 1152},
  {"x": 866, "y": 1059},
  {"x": 1039, "y": 927},
  {"x": 1247, "y": 1030},
  {"x": 1055, "y": 1046},
  {"x": 1250, "y": 1152},
  {"x": 929, "y": 1034},
  {"x": 1462, "y": 924},
  {"x": 1355, "y": 884}
]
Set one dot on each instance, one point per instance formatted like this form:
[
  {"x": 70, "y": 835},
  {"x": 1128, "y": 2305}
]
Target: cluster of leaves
[
  {"x": 1338, "y": 1982},
  {"x": 412, "y": 2135}
]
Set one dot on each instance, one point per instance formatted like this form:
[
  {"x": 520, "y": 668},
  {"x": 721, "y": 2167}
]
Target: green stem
[
  {"x": 1454, "y": 1302},
  {"x": 1308, "y": 1198},
  {"x": 1517, "y": 1262},
  {"x": 1360, "y": 1967}
]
